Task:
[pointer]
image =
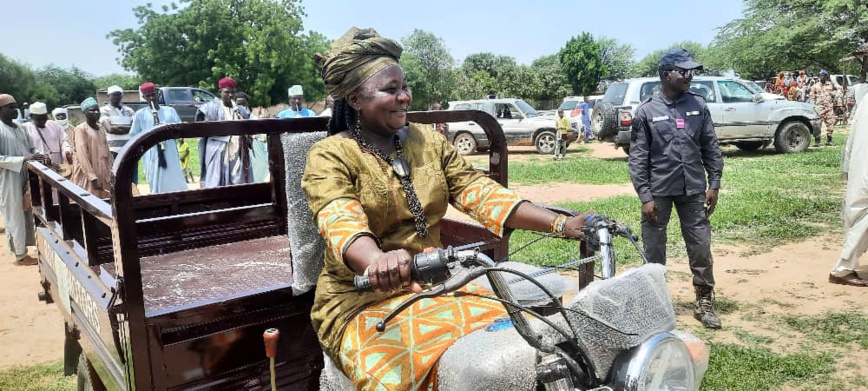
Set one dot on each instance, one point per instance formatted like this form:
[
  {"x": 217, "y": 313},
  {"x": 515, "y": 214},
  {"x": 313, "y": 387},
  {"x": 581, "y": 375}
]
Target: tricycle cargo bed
[{"x": 184, "y": 279}]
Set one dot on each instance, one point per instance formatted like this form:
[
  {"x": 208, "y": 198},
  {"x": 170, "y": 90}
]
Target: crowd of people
[
  {"x": 85, "y": 153},
  {"x": 820, "y": 91}
]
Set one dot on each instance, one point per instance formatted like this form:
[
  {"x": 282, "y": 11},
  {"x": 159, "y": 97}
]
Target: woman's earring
[{"x": 358, "y": 121}]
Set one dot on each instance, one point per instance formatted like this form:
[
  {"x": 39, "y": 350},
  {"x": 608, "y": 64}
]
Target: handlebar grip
[
  {"x": 363, "y": 284},
  {"x": 429, "y": 267}
]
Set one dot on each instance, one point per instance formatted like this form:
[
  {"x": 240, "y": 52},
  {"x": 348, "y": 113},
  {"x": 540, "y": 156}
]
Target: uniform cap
[{"x": 678, "y": 58}]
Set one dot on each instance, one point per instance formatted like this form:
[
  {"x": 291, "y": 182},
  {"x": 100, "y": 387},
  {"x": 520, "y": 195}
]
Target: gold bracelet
[{"x": 559, "y": 225}]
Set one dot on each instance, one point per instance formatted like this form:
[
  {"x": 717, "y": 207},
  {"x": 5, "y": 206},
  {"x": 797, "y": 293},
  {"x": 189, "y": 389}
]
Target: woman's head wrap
[
  {"x": 88, "y": 103},
  {"x": 354, "y": 58}
]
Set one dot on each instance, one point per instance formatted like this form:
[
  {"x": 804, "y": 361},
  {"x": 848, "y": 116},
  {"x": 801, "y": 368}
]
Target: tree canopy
[
  {"x": 776, "y": 35},
  {"x": 617, "y": 57},
  {"x": 429, "y": 63},
  {"x": 582, "y": 63},
  {"x": 256, "y": 42},
  {"x": 51, "y": 85}
]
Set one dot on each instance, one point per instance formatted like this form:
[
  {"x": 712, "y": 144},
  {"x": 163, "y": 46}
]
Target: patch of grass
[
  {"x": 734, "y": 367},
  {"x": 554, "y": 251},
  {"x": 41, "y": 377},
  {"x": 834, "y": 328},
  {"x": 584, "y": 170},
  {"x": 767, "y": 198},
  {"x": 760, "y": 205},
  {"x": 751, "y": 338}
]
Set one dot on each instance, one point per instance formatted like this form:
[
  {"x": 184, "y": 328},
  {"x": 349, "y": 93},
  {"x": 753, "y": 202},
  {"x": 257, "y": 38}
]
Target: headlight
[{"x": 661, "y": 363}]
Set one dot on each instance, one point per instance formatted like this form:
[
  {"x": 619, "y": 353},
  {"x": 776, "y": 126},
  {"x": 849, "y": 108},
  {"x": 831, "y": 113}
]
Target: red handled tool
[{"x": 271, "y": 336}]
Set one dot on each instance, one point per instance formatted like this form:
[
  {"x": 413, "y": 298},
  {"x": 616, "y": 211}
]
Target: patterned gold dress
[{"x": 354, "y": 193}]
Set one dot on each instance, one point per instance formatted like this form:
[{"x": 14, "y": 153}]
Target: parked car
[
  {"x": 569, "y": 106},
  {"x": 839, "y": 80},
  {"x": 521, "y": 123},
  {"x": 743, "y": 114},
  {"x": 185, "y": 100}
]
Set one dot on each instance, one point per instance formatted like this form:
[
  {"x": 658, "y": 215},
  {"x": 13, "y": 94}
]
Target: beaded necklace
[{"x": 402, "y": 169}]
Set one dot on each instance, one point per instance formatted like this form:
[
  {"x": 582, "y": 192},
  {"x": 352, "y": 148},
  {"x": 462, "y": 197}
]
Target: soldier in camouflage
[{"x": 824, "y": 95}]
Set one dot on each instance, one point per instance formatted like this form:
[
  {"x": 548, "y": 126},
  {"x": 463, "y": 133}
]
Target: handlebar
[
  {"x": 447, "y": 270},
  {"x": 427, "y": 268},
  {"x": 435, "y": 266}
]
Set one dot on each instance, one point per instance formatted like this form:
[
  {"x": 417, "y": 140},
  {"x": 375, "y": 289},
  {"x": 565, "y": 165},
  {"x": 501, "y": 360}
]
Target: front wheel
[
  {"x": 545, "y": 142},
  {"x": 465, "y": 143},
  {"x": 793, "y": 136}
]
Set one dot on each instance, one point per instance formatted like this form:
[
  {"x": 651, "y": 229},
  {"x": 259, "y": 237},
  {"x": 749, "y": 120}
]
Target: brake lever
[{"x": 452, "y": 284}]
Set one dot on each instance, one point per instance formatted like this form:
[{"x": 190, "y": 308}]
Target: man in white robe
[
  {"x": 855, "y": 203},
  {"x": 162, "y": 162},
  {"x": 224, "y": 160},
  {"x": 47, "y": 136},
  {"x": 15, "y": 150}
]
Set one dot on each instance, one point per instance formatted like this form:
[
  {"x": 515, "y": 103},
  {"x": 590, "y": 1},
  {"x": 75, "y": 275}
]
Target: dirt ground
[{"x": 789, "y": 280}]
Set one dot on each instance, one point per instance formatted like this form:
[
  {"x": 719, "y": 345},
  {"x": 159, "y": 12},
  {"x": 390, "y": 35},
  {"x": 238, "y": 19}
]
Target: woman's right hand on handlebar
[{"x": 390, "y": 271}]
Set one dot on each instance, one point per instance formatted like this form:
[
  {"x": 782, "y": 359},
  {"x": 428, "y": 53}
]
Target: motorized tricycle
[{"x": 174, "y": 291}]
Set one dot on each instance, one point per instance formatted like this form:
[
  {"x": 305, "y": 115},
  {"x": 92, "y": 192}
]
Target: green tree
[
  {"x": 256, "y": 42},
  {"x": 518, "y": 81},
  {"x": 72, "y": 86},
  {"x": 435, "y": 66},
  {"x": 552, "y": 84},
  {"x": 775, "y": 35},
  {"x": 124, "y": 80},
  {"x": 617, "y": 57},
  {"x": 474, "y": 86},
  {"x": 582, "y": 63},
  {"x": 24, "y": 84},
  {"x": 487, "y": 62},
  {"x": 417, "y": 81}
]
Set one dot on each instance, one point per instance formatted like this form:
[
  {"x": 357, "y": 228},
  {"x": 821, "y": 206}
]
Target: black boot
[
  {"x": 704, "y": 309},
  {"x": 817, "y": 142},
  {"x": 829, "y": 142}
]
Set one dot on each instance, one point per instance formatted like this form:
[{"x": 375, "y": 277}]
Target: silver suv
[
  {"x": 743, "y": 114},
  {"x": 521, "y": 123}
]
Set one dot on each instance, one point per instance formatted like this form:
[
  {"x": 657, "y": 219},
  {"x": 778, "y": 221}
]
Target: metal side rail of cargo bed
[{"x": 173, "y": 291}]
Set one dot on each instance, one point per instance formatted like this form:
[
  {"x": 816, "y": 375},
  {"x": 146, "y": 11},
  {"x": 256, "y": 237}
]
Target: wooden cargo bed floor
[{"x": 209, "y": 273}]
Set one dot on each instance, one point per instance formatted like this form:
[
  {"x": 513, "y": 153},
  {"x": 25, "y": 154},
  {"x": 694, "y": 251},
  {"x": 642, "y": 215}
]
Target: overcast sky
[{"x": 66, "y": 33}]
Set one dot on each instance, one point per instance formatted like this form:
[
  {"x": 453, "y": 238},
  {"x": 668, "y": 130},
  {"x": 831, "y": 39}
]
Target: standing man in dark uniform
[{"x": 672, "y": 148}]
